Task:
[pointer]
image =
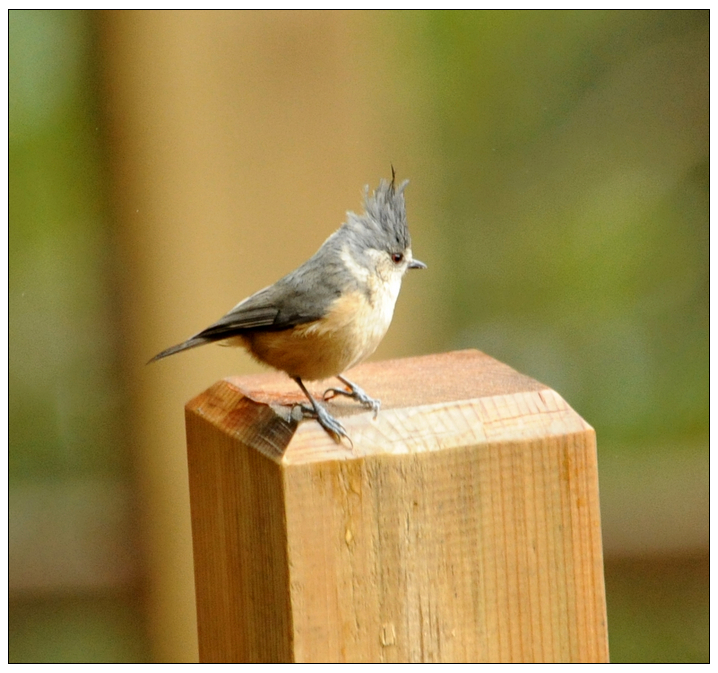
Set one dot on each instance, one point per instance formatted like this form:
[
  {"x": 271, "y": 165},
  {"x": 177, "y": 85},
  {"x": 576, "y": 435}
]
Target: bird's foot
[
  {"x": 332, "y": 426},
  {"x": 356, "y": 393}
]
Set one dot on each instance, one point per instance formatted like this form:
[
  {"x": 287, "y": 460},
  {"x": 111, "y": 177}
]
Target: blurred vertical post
[
  {"x": 462, "y": 526},
  {"x": 238, "y": 142}
]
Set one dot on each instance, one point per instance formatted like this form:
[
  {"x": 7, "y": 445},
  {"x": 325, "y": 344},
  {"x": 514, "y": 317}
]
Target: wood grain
[{"x": 463, "y": 526}]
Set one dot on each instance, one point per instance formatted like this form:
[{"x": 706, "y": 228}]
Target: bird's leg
[
  {"x": 324, "y": 418},
  {"x": 355, "y": 392}
]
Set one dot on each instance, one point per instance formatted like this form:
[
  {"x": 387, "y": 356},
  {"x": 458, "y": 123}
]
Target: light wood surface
[{"x": 463, "y": 525}]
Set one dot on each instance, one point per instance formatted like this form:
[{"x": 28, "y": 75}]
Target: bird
[{"x": 330, "y": 313}]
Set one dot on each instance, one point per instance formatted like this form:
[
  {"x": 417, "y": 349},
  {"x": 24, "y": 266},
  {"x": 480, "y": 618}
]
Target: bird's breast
[{"x": 349, "y": 332}]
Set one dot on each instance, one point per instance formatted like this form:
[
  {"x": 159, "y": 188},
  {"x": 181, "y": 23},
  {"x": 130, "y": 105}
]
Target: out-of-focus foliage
[
  {"x": 575, "y": 205},
  {"x": 73, "y": 584},
  {"x": 659, "y": 610},
  {"x": 62, "y": 346}
]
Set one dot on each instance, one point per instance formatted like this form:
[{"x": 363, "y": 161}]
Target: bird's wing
[
  {"x": 291, "y": 301},
  {"x": 286, "y": 304},
  {"x": 241, "y": 319}
]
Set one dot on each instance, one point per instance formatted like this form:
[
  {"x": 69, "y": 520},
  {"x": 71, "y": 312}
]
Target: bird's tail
[{"x": 192, "y": 342}]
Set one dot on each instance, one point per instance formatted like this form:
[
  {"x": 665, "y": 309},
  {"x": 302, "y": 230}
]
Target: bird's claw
[
  {"x": 355, "y": 393},
  {"x": 330, "y": 424}
]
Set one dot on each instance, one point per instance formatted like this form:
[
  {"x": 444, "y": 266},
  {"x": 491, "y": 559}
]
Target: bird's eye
[{"x": 397, "y": 258}]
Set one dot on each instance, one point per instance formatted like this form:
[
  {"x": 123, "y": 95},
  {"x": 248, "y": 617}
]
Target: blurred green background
[{"x": 560, "y": 184}]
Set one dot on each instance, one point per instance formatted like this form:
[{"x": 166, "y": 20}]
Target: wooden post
[{"x": 463, "y": 526}]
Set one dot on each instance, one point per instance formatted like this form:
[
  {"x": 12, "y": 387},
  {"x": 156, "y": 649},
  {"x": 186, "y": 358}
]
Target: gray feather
[
  {"x": 383, "y": 225},
  {"x": 193, "y": 342}
]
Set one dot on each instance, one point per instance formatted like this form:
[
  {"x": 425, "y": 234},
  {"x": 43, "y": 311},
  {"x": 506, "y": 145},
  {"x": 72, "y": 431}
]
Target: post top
[{"x": 427, "y": 403}]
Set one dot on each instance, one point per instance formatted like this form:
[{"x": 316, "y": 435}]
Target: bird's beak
[{"x": 416, "y": 264}]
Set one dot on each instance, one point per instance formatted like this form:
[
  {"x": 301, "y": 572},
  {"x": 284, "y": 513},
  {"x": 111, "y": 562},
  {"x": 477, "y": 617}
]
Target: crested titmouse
[{"x": 330, "y": 313}]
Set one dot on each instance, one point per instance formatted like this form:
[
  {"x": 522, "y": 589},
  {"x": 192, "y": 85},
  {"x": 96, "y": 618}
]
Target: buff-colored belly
[{"x": 349, "y": 333}]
